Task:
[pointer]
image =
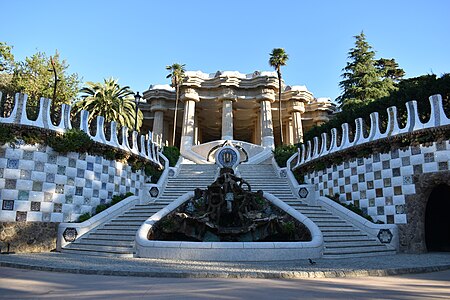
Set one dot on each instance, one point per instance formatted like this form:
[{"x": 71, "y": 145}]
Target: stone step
[
  {"x": 125, "y": 227},
  {"x": 355, "y": 250},
  {"x": 346, "y": 244},
  {"x": 348, "y": 238},
  {"x": 103, "y": 248},
  {"x": 112, "y": 231},
  {"x": 125, "y": 222},
  {"x": 100, "y": 242},
  {"x": 135, "y": 216},
  {"x": 107, "y": 237},
  {"x": 96, "y": 253}
]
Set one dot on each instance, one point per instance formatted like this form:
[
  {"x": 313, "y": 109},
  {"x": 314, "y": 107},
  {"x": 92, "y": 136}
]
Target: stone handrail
[
  {"x": 150, "y": 144},
  {"x": 312, "y": 150}
]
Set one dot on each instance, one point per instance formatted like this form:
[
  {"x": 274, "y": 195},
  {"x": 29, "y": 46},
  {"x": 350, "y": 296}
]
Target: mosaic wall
[
  {"x": 378, "y": 184},
  {"x": 37, "y": 184}
]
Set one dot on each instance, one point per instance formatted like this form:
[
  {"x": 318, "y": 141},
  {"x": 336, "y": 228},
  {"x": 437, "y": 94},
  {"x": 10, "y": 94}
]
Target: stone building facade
[{"x": 232, "y": 106}]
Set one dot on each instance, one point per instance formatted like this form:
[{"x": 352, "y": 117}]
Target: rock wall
[
  {"x": 412, "y": 235},
  {"x": 28, "y": 236}
]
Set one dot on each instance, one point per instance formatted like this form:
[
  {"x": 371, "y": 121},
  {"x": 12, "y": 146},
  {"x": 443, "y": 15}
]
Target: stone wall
[
  {"x": 38, "y": 184},
  {"x": 380, "y": 183},
  {"x": 28, "y": 236}
]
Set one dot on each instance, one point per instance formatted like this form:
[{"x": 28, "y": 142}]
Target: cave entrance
[{"x": 437, "y": 219}]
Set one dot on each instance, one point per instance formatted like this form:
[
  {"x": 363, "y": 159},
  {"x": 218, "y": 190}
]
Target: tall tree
[
  {"x": 176, "y": 74},
  {"x": 366, "y": 79},
  {"x": 110, "y": 100},
  {"x": 278, "y": 58},
  {"x": 35, "y": 77},
  {"x": 7, "y": 66},
  {"x": 32, "y": 76}
]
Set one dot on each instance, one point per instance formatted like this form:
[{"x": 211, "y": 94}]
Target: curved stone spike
[
  {"x": 315, "y": 147},
  {"x": 437, "y": 115},
  {"x": 374, "y": 127},
  {"x": 125, "y": 145},
  {"x": 13, "y": 116},
  {"x": 43, "y": 117},
  {"x": 149, "y": 145},
  {"x": 359, "y": 132},
  {"x": 308, "y": 151},
  {"x": 84, "y": 125},
  {"x": 413, "y": 122},
  {"x": 333, "y": 143},
  {"x": 345, "y": 141},
  {"x": 303, "y": 154},
  {"x": 152, "y": 147},
  {"x": 134, "y": 139},
  {"x": 392, "y": 128},
  {"x": 65, "y": 123},
  {"x": 323, "y": 149},
  {"x": 22, "y": 117},
  {"x": 100, "y": 134},
  {"x": 114, "y": 141},
  {"x": 143, "y": 149}
]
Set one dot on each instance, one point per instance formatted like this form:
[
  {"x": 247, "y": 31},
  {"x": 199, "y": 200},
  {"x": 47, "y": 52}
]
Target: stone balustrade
[
  {"x": 312, "y": 150},
  {"x": 150, "y": 144}
]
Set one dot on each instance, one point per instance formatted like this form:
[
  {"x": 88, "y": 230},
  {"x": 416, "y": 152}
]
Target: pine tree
[{"x": 367, "y": 79}]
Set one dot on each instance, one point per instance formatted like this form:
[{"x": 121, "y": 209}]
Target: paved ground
[
  {"x": 30, "y": 284},
  {"x": 351, "y": 267}
]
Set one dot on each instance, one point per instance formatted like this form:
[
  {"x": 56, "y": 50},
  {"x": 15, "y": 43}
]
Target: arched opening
[{"x": 437, "y": 219}]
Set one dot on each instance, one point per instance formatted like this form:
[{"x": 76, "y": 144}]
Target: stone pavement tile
[{"x": 349, "y": 267}]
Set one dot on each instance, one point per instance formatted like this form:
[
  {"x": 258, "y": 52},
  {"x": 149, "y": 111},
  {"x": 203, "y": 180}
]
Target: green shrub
[
  {"x": 84, "y": 217},
  {"x": 6, "y": 135},
  {"x": 172, "y": 153},
  {"x": 283, "y": 153},
  {"x": 74, "y": 140},
  {"x": 100, "y": 208},
  {"x": 153, "y": 172}
]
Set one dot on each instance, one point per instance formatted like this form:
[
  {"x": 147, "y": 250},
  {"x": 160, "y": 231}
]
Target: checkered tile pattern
[
  {"x": 378, "y": 184},
  {"x": 38, "y": 184}
]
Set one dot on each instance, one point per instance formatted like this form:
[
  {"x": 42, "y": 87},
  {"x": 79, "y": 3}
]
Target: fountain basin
[{"x": 228, "y": 251}]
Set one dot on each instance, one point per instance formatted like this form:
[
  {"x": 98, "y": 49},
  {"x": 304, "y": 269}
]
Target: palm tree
[
  {"x": 111, "y": 101},
  {"x": 278, "y": 58},
  {"x": 177, "y": 75}
]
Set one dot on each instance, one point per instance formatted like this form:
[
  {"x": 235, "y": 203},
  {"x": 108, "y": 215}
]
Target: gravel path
[{"x": 349, "y": 267}]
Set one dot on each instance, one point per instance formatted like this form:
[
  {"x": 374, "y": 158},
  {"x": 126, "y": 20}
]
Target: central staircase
[
  {"x": 341, "y": 238},
  {"x": 116, "y": 237}
]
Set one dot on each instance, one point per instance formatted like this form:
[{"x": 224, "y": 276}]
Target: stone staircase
[
  {"x": 116, "y": 237},
  {"x": 341, "y": 238}
]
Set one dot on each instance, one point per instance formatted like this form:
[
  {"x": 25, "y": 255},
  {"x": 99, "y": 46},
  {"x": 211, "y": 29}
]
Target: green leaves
[
  {"x": 278, "y": 57},
  {"x": 74, "y": 140},
  {"x": 367, "y": 79},
  {"x": 110, "y": 100}
]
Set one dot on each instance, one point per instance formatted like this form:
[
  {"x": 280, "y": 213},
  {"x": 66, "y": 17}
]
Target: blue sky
[{"x": 135, "y": 40}]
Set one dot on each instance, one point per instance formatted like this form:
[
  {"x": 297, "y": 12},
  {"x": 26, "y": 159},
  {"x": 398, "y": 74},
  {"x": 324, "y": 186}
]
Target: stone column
[
  {"x": 289, "y": 137},
  {"x": 158, "y": 122},
  {"x": 187, "y": 134},
  {"x": 196, "y": 130},
  {"x": 227, "y": 119},
  {"x": 296, "y": 109},
  {"x": 258, "y": 129},
  {"x": 267, "y": 139}
]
